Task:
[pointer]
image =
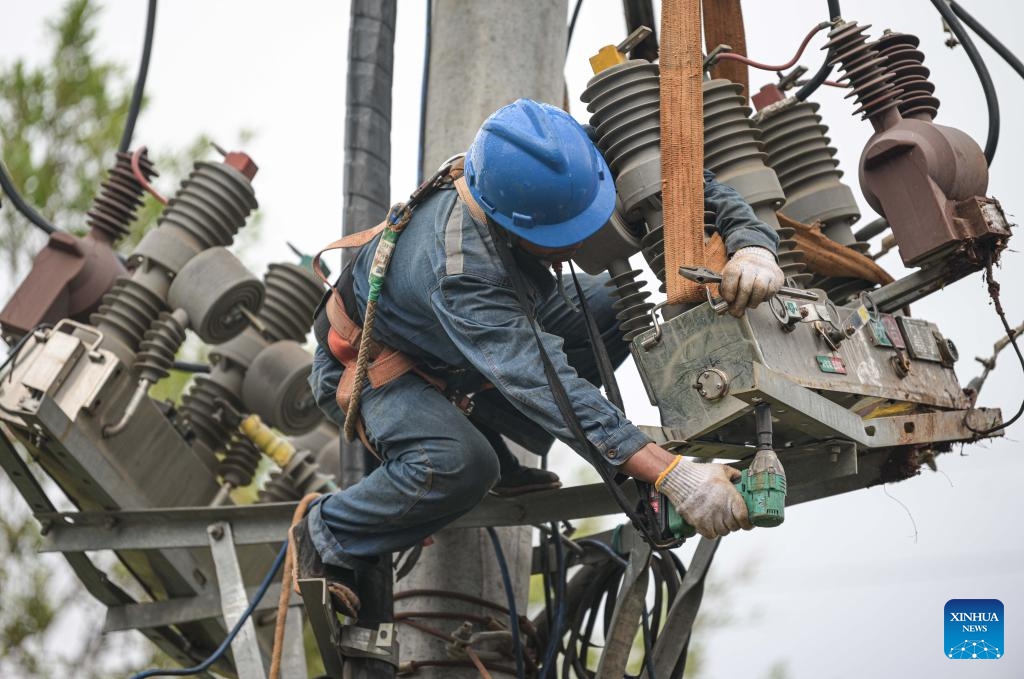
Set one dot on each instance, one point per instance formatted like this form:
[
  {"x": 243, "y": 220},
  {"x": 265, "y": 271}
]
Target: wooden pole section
[
  {"x": 723, "y": 25},
  {"x": 682, "y": 145}
]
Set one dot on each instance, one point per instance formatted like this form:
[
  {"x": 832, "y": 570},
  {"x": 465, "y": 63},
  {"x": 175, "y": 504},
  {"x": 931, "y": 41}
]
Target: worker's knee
[{"x": 466, "y": 473}]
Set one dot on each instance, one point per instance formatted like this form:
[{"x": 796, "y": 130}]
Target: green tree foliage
[{"x": 60, "y": 124}]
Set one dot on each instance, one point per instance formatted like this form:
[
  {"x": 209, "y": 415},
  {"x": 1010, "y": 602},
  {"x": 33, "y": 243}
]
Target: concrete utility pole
[{"x": 483, "y": 55}]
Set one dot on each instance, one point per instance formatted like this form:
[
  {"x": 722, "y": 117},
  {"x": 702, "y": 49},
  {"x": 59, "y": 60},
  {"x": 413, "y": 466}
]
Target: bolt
[{"x": 216, "y": 531}]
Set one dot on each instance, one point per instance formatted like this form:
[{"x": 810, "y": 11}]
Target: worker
[{"x": 535, "y": 184}]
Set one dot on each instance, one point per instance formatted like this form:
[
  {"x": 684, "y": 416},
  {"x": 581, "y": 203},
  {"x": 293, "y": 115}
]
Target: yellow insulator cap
[{"x": 606, "y": 57}]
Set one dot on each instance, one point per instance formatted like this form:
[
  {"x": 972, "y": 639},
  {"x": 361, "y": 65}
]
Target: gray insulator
[
  {"x": 158, "y": 347},
  {"x": 733, "y": 149},
  {"x": 300, "y": 477},
  {"x": 799, "y": 152},
  {"x": 292, "y": 294},
  {"x": 633, "y": 309},
  {"x": 241, "y": 457},
  {"x": 276, "y": 387},
  {"x": 127, "y": 311},
  {"x": 214, "y": 287},
  {"x": 624, "y": 102},
  {"x": 906, "y": 63},
  {"x": 279, "y": 488},
  {"x": 199, "y": 406},
  {"x": 211, "y": 205}
]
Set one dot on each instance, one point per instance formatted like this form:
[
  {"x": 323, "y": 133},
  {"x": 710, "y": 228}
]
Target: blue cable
[
  {"x": 215, "y": 656},
  {"x": 517, "y": 643}
]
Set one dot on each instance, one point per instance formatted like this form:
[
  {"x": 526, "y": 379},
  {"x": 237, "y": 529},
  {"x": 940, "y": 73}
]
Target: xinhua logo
[{"x": 974, "y": 629}]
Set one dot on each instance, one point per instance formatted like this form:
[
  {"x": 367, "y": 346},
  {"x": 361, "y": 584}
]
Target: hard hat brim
[{"x": 571, "y": 231}]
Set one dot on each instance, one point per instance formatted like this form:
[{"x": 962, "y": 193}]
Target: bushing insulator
[
  {"x": 633, "y": 309},
  {"x": 211, "y": 205},
  {"x": 159, "y": 346},
  {"x": 906, "y": 63},
  {"x": 625, "y": 106},
  {"x": 199, "y": 407},
  {"x": 127, "y": 312},
  {"x": 864, "y": 68},
  {"x": 292, "y": 294},
  {"x": 279, "y": 488},
  {"x": 239, "y": 463},
  {"x": 120, "y": 196},
  {"x": 800, "y": 153}
]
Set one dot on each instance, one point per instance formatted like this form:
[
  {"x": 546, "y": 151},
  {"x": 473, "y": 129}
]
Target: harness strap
[{"x": 474, "y": 207}]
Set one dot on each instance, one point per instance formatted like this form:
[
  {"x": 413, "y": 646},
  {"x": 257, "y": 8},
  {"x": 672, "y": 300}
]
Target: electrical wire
[
  {"x": 140, "y": 82},
  {"x": 991, "y": 40},
  {"x": 555, "y": 629},
  {"x": 424, "y": 84},
  {"x": 991, "y": 99},
  {"x": 215, "y": 656},
  {"x": 190, "y": 367},
  {"x": 26, "y": 210},
  {"x": 513, "y": 616},
  {"x": 993, "y": 291},
  {"x": 781, "y": 67},
  {"x": 572, "y": 23},
  {"x": 141, "y": 178}
]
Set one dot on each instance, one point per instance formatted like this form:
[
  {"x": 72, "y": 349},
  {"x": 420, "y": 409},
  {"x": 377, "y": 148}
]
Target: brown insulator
[
  {"x": 292, "y": 294},
  {"x": 864, "y": 68},
  {"x": 239, "y": 463},
  {"x": 906, "y": 63},
  {"x": 120, "y": 196}
]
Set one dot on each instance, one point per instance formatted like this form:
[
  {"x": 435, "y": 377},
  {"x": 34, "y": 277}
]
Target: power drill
[{"x": 762, "y": 485}]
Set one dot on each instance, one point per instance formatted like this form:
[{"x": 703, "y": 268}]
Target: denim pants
[{"x": 436, "y": 464}]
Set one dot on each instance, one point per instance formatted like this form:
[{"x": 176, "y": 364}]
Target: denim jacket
[{"x": 448, "y": 300}]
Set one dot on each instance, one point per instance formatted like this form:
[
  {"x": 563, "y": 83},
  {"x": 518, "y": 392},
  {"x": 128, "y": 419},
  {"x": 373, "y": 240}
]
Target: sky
[{"x": 849, "y": 586}]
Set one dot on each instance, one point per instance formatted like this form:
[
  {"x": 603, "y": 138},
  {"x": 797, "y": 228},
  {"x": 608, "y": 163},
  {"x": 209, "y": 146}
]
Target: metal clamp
[
  {"x": 649, "y": 342},
  {"x": 367, "y": 642}
]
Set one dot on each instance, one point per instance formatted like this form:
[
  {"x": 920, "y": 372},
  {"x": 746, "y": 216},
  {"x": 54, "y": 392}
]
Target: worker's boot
[
  {"x": 307, "y": 564},
  {"x": 515, "y": 478}
]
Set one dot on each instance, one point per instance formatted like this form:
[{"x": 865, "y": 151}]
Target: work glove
[
  {"x": 750, "y": 277},
  {"x": 705, "y": 496}
]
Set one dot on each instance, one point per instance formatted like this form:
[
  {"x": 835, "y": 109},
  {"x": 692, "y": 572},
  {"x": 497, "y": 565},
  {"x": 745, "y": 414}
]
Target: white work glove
[
  {"x": 705, "y": 496},
  {"x": 750, "y": 277}
]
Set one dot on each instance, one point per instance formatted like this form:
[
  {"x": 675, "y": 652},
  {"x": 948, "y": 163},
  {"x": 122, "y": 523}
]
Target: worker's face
[{"x": 549, "y": 254}]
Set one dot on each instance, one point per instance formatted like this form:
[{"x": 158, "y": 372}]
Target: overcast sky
[{"x": 843, "y": 588}]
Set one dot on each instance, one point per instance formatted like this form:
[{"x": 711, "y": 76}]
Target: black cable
[
  {"x": 991, "y": 100},
  {"x": 140, "y": 82},
  {"x": 513, "y": 616},
  {"x": 833, "y": 10},
  {"x": 20, "y": 205},
  {"x": 555, "y": 630},
  {"x": 991, "y": 40},
  {"x": 424, "y": 84},
  {"x": 572, "y": 23},
  {"x": 215, "y": 656},
  {"x": 993, "y": 291},
  {"x": 190, "y": 367}
]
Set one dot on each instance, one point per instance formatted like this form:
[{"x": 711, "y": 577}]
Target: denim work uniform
[{"x": 449, "y": 302}]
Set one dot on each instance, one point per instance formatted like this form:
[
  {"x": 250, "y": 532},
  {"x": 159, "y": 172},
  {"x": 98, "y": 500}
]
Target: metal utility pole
[{"x": 483, "y": 55}]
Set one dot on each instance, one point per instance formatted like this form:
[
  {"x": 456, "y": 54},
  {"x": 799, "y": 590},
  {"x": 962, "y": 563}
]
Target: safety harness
[{"x": 348, "y": 342}]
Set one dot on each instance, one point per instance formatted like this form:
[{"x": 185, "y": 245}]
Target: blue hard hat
[{"x": 535, "y": 172}]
